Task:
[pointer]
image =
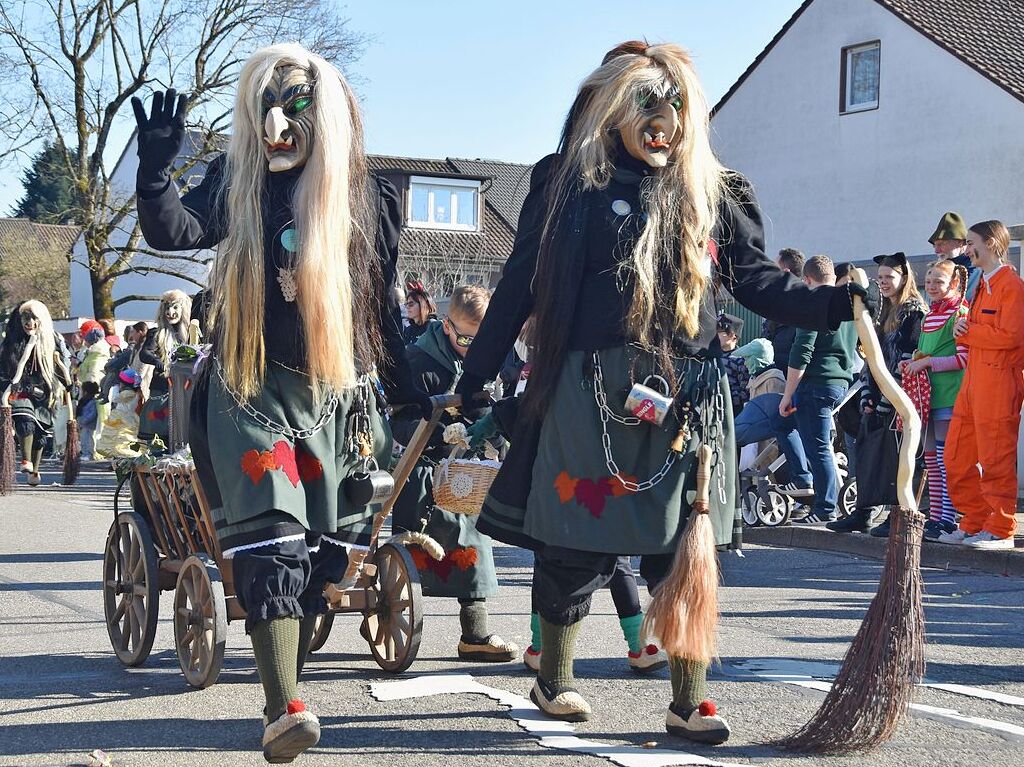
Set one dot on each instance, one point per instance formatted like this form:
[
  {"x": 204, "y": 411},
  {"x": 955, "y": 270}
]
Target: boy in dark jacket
[{"x": 467, "y": 570}]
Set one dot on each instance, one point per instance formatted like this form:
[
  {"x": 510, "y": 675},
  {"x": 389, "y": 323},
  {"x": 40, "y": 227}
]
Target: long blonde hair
[
  {"x": 330, "y": 210},
  {"x": 681, "y": 202}
]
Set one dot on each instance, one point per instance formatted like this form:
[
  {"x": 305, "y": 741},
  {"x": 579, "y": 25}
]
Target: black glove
[
  {"x": 160, "y": 138},
  {"x": 471, "y": 387},
  {"x": 414, "y": 398},
  {"x": 840, "y": 305}
]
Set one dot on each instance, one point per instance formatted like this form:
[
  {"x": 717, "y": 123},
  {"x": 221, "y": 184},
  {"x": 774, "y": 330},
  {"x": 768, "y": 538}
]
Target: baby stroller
[{"x": 763, "y": 500}]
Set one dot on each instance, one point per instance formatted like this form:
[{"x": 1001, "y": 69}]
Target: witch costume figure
[
  {"x": 34, "y": 364},
  {"x": 302, "y": 318},
  {"x": 616, "y": 253},
  {"x": 172, "y": 319}
]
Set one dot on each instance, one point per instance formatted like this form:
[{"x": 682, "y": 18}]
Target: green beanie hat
[{"x": 951, "y": 227}]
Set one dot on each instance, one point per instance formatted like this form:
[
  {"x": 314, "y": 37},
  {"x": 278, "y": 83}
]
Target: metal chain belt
[
  {"x": 269, "y": 424},
  {"x": 606, "y": 441}
]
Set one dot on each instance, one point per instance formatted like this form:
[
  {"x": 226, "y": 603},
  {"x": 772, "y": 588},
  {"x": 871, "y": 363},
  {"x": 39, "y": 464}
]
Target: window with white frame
[
  {"x": 859, "y": 77},
  {"x": 444, "y": 203}
]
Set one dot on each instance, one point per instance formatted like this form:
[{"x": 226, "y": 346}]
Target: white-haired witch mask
[
  {"x": 288, "y": 103},
  {"x": 652, "y": 128},
  {"x": 173, "y": 312},
  {"x": 29, "y": 322}
]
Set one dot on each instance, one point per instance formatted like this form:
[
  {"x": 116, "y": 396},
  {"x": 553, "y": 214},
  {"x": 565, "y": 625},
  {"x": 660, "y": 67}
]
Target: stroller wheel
[
  {"x": 774, "y": 508},
  {"x": 748, "y": 506},
  {"x": 847, "y": 497}
]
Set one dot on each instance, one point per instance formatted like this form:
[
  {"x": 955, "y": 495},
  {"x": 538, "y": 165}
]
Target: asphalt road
[{"x": 63, "y": 694}]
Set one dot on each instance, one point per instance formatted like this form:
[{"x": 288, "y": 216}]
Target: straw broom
[
  {"x": 73, "y": 446},
  {"x": 684, "y": 607},
  {"x": 872, "y": 692},
  {"x": 7, "y": 459}
]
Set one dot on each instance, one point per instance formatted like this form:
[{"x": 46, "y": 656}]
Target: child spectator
[
  {"x": 986, "y": 416},
  {"x": 87, "y": 416},
  {"x": 944, "y": 359},
  {"x": 467, "y": 572},
  {"x": 729, "y": 329}
]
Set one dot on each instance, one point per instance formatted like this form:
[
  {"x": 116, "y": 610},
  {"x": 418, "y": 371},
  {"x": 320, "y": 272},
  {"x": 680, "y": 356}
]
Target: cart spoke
[
  {"x": 389, "y": 646},
  {"x": 402, "y": 625},
  {"x": 125, "y": 632},
  {"x": 399, "y": 641},
  {"x": 190, "y": 592},
  {"x": 138, "y": 613},
  {"x": 185, "y": 613},
  {"x": 400, "y": 605},
  {"x": 186, "y": 639},
  {"x": 393, "y": 573},
  {"x": 119, "y": 612}
]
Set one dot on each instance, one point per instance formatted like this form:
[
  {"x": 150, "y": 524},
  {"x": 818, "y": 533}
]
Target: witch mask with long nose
[{"x": 288, "y": 104}]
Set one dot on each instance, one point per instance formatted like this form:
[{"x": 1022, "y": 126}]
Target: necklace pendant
[{"x": 286, "y": 279}]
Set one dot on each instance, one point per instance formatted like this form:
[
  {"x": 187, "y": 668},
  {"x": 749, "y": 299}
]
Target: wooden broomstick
[
  {"x": 872, "y": 692},
  {"x": 684, "y": 607}
]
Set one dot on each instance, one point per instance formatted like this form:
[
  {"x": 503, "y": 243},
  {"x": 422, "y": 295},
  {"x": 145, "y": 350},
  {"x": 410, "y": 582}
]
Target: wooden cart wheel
[
  {"x": 131, "y": 589},
  {"x": 200, "y": 622},
  {"x": 393, "y": 627},
  {"x": 321, "y": 631}
]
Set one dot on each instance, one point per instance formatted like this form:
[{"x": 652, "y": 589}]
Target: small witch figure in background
[
  {"x": 171, "y": 331},
  {"x": 33, "y": 374}
]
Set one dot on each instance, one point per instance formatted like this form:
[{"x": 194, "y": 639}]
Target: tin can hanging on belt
[{"x": 649, "y": 404}]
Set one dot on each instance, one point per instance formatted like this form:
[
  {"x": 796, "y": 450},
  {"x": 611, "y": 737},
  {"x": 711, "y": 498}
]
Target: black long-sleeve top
[
  {"x": 198, "y": 220},
  {"x": 600, "y": 295}
]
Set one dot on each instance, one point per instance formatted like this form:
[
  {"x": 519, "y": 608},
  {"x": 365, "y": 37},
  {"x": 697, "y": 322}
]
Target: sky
[{"x": 494, "y": 79}]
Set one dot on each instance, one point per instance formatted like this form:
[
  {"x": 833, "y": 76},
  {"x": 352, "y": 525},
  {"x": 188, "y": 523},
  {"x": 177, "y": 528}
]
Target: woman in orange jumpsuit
[{"x": 986, "y": 417}]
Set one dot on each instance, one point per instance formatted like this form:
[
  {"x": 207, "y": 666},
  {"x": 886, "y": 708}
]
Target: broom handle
[
  {"x": 892, "y": 392},
  {"x": 702, "y": 503}
]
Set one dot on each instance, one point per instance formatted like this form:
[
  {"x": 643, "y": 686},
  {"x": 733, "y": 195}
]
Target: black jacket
[{"x": 745, "y": 271}]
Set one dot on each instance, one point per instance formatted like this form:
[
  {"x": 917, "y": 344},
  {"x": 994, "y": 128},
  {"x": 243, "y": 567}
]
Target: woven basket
[{"x": 460, "y": 486}]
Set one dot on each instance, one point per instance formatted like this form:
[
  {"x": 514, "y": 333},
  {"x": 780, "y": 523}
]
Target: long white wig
[
  {"x": 46, "y": 343},
  {"x": 329, "y": 210},
  {"x": 169, "y": 337}
]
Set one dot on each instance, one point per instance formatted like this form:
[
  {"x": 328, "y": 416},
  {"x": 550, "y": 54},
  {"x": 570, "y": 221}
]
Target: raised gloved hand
[
  {"x": 414, "y": 398},
  {"x": 161, "y": 136}
]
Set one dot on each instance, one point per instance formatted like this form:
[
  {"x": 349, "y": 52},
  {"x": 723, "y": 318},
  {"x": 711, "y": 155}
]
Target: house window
[
  {"x": 444, "y": 203},
  {"x": 858, "y": 84}
]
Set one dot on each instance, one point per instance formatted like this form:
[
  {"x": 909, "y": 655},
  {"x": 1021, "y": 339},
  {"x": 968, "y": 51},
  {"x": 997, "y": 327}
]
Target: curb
[{"x": 935, "y": 555}]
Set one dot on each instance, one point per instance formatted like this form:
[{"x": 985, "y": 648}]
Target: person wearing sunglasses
[
  {"x": 420, "y": 310},
  {"x": 467, "y": 570}
]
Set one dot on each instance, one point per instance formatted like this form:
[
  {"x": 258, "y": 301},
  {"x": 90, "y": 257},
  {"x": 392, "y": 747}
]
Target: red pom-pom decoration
[
  {"x": 297, "y": 706},
  {"x": 707, "y": 708}
]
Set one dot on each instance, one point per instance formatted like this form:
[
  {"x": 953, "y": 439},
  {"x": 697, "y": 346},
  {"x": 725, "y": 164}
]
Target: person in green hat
[{"x": 949, "y": 241}]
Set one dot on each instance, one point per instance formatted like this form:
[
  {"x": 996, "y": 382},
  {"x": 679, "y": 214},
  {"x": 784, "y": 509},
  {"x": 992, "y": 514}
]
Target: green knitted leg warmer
[
  {"x": 536, "y": 641},
  {"x": 306, "y": 628},
  {"x": 275, "y": 644},
  {"x": 473, "y": 619},
  {"x": 559, "y": 644},
  {"x": 689, "y": 682},
  {"x": 631, "y": 631}
]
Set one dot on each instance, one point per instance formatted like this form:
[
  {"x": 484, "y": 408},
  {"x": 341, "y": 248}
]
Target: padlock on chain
[{"x": 649, "y": 404}]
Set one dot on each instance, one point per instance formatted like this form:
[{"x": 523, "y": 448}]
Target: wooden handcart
[{"x": 167, "y": 543}]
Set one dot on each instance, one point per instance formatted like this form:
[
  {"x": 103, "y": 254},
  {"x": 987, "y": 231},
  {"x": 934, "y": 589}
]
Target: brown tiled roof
[
  {"x": 504, "y": 190},
  {"x": 51, "y": 237},
  {"x": 987, "y": 35}
]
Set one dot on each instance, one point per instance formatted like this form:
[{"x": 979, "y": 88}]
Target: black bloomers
[
  {"x": 564, "y": 580},
  {"x": 286, "y": 578}
]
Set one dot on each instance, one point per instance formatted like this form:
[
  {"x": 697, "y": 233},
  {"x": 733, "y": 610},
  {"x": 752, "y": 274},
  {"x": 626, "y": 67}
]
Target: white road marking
[
  {"x": 815, "y": 675},
  {"x": 550, "y": 733}
]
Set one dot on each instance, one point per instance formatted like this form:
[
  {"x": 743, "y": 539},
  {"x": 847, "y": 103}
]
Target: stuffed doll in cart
[
  {"x": 285, "y": 417},
  {"x": 120, "y": 431}
]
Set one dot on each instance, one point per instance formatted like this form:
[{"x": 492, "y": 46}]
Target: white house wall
[
  {"x": 852, "y": 186},
  {"x": 137, "y": 283}
]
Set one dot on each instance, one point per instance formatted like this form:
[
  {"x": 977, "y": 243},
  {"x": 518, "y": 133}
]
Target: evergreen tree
[{"x": 49, "y": 188}]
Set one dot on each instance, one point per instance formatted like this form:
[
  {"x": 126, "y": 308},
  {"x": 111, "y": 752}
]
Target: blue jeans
[
  {"x": 813, "y": 416},
  {"x": 760, "y": 420}
]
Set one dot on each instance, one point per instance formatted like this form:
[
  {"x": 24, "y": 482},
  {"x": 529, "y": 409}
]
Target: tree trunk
[{"x": 102, "y": 297}]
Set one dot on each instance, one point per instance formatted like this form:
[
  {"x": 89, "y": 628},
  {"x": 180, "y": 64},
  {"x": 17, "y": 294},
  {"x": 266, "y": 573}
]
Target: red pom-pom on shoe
[
  {"x": 707, "y": 708},
  {"x": 651, "y": 649},
  {"x": 297, "y": 706}
]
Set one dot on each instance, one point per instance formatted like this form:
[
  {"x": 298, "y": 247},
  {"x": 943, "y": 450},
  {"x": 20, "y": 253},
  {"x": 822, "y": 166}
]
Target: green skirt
[
  {"x": 264, "y": 477},
  {"x": 467, "y": 570},
  {"x": 575, "y": 502}
]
